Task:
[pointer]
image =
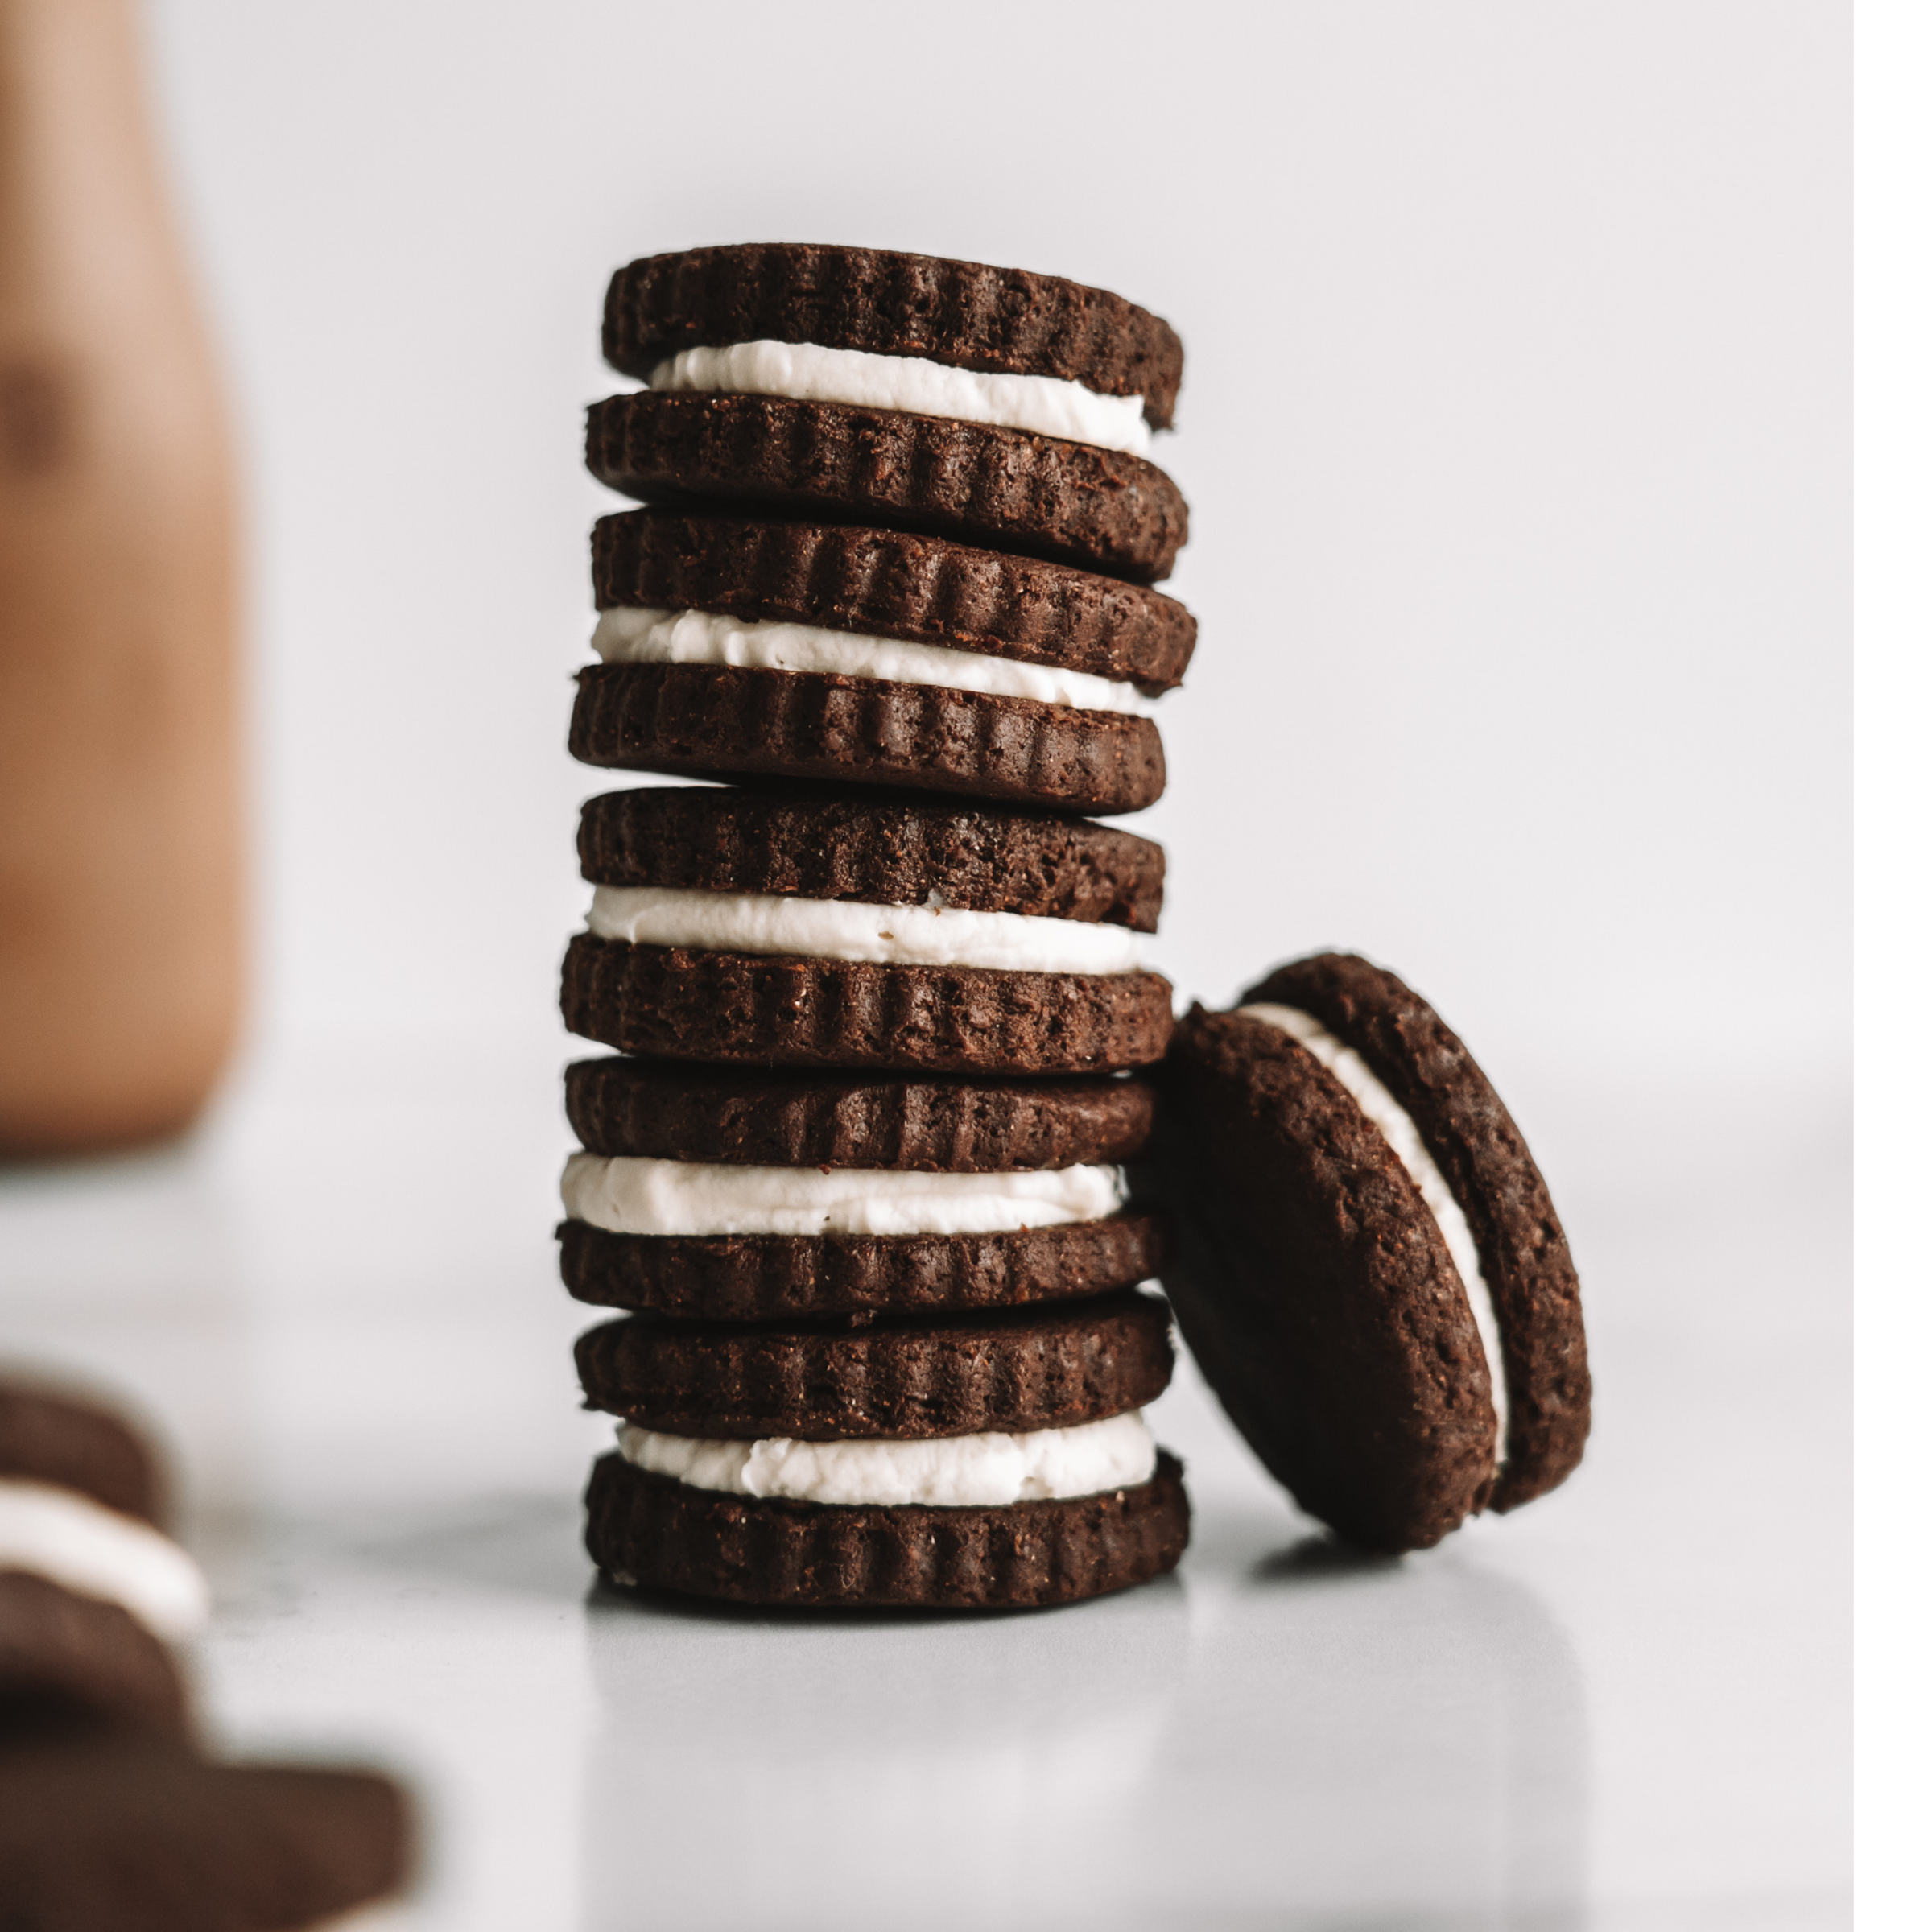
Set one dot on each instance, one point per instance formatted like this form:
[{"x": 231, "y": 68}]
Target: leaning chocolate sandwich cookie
[
  {"x": 1369, "y": 1267},
  {"x": 740, "y": 1195},
  {"x": 733, "y": 646},
  {"x": 999, "y": 407},
  {"x": 109, "y": 1814},
  {"x": 994, "y": 1461},
  {"x": 789, "y": 929}
]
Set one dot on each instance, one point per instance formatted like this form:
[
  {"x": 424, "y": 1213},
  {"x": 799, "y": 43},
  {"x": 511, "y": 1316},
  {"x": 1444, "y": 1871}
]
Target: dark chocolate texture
[
  {"x": 715, "y": 721},
  {"x": 775, "y": 1278},
  {"x": 648, "y": 1530},
  {"x": 670, "y": 1110},
  {"x": 1099, "y": 510},
  {"x": 1314, "y": 1288},
  {"x": 879, "y": 851},
  {"x": 780, "y": 1011},
  {"x": 1054, "y": 1367},
  {"x": 892, "y": 584}
]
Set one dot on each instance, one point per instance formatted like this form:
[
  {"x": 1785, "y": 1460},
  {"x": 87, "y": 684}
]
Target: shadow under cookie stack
[{"x": 854, "y": 1173}]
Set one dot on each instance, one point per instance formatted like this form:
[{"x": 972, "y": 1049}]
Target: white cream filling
[
  {"x": 948, "y": 1472},
  {"x": 626, "y": 1194},
  {"x": 1387, "y": 1115},
  {"x": 848, "y": 929},
  {"x": 1042, "y": 405},
  {"x": 635, "y": 635},
  {"x": 84, "y": 1546}
]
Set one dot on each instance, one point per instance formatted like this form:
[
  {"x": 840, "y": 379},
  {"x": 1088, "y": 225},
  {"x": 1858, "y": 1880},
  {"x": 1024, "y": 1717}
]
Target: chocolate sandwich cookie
[
  {"x": 771, "y": 1244},
  {"x": 108, "y": 1815},
  {"x": 1369, "y": 1269},
  {"x": 735, "y": 647},
  {"x": 883, "y": 303},
  {"x": 92, "y": 1592},
  {"x": 101, "y": 1829},
  {"x": 991, "y": 405},
  {"x": 789, "y": 930},
  {"x": 998, "y": 1461}
]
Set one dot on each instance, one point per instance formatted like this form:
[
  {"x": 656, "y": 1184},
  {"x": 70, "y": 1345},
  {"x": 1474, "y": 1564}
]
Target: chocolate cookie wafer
[
  {"x": 714, "y": 1193},
  {"x": 998, "y": 1460},
  {"x": 853, "y": 1277},
  {"x": 1013, "y": 1370},
  {"x": 1100, "y": 509},
  {"x": 1369, "y": 1268},
  {"x": 787, "y": 930},
  {"x": 710, "y": 722},
  {"x": 668, "y": 1111}
]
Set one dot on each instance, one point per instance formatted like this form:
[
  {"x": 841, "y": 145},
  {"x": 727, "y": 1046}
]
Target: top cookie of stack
[{"x": 900, "y": 529}]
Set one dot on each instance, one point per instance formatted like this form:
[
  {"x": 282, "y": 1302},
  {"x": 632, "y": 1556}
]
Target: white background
[
  {"x": 1516, "y": 431},
  {"x": 1515, "y": 428}
]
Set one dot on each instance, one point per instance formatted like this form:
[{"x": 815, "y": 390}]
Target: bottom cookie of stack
[
  {"x": 996, "y": 1462},
  {"x": 656, "y": 1532}
]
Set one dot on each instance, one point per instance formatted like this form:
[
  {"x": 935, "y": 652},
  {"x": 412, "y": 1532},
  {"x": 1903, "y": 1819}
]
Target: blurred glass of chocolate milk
[{"x": 120, "y": 833}]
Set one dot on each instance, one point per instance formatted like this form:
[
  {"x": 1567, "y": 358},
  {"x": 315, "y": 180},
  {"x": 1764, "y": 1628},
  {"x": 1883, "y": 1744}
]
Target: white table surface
[{"x": 1626, "y": 1707}]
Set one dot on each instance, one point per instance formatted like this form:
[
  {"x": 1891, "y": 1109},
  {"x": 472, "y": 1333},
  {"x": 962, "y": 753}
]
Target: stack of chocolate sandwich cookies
[
  {"x": 856, "y": 1176},
  {"x": 109, "y": 1813}
]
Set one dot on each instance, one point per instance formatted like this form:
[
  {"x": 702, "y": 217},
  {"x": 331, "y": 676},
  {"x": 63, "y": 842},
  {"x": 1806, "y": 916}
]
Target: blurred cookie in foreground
[
  {"x": 120, "y": 1830},
  {"x": 110, "y": 1817},
  {"x": 93, "y": 1594},
  {"x": 1369, "y": 1269}
]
